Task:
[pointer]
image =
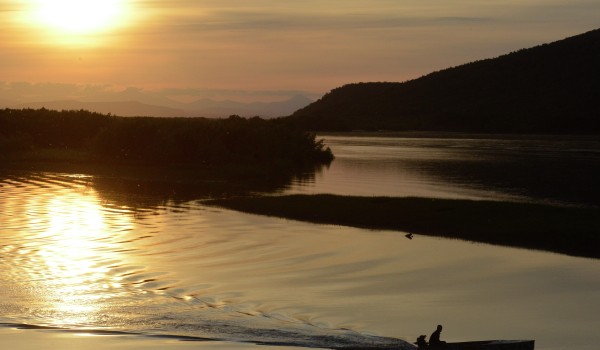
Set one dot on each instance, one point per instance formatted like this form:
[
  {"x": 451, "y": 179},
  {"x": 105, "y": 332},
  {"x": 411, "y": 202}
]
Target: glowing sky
[{"x": 270, "y": 45}]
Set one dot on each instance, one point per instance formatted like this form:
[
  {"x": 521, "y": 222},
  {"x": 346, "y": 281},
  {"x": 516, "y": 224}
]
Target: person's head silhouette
[{"x": 434, "y": 339}]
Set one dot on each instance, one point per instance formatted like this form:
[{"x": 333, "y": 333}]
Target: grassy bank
[{"x": 573, "y": 231}]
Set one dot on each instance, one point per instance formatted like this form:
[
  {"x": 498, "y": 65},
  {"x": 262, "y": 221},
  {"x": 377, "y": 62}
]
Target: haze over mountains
[
  {"x": 552, "y": 88},
  {"x": 161, "y": 107}
]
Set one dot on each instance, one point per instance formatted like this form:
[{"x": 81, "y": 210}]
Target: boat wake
[{"x": 330, "y": 339}]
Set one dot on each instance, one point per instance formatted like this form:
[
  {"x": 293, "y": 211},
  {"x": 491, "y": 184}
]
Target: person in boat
[
  {"x": 421, "y": 342},
  {"x": 434, "y": 339}
]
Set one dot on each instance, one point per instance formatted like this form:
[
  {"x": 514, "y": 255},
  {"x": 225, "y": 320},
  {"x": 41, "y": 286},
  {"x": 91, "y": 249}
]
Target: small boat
[{"x": 487, "y": 345}]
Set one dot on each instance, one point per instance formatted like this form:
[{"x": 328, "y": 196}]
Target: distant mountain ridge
[
  {"x": 212, "y": 108},
  {"x": 551, "y": 88},
  {"x": 200, "y": 108}
]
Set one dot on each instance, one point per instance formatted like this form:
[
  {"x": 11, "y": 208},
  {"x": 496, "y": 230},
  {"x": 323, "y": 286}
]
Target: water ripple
[{"x": 73, "y": 261}]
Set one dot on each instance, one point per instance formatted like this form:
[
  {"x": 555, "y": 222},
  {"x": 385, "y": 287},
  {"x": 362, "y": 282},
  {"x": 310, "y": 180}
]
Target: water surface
[
  {"x": 552, "y": 169},
  {"x": 79, "y": 253}
]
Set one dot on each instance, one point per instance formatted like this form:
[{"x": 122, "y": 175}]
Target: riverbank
[{"x": 567, "y": 230}]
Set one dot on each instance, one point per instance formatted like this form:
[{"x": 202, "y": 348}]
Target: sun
[{"x": 78, "y": 18}]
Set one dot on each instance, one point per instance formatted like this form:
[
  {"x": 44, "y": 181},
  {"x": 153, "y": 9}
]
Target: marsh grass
[{"x": 568, "y": 230}]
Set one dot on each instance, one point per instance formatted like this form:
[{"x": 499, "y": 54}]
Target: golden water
[
  {"x": 72, "y": 259},
  {"x": 78, "y": 253}
]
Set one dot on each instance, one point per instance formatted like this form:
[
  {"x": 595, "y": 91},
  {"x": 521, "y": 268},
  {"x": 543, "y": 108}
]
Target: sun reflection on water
[{"x": 78, "y": 243}]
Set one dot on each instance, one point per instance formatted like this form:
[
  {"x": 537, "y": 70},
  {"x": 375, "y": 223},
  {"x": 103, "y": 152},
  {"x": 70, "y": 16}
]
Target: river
[{"x": 79, "y": 254}]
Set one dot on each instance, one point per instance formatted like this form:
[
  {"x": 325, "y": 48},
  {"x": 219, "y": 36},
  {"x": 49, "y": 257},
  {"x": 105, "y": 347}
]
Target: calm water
[
  {"x": 555, "y": 169},
  {"x": 78, "y": 253}
]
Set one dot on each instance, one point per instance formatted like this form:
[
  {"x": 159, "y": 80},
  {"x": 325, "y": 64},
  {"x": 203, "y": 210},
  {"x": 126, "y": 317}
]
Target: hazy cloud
[
  {"x": 18, "y": 92},
  {"x": 183, "y": 49}
]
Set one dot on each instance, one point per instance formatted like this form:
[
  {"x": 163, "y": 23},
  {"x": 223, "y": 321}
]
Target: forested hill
[{"x": 552, "y": 88}]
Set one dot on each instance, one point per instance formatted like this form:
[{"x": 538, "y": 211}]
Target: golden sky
[{"x": 267, "y": 45}]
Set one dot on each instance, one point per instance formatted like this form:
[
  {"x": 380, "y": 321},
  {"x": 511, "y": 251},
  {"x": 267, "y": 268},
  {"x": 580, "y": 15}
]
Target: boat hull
[{"x": 489, "y": 345}]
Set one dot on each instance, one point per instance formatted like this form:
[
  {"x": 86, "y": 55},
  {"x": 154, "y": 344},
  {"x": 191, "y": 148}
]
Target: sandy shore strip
[{"x": 34, "y": 339}]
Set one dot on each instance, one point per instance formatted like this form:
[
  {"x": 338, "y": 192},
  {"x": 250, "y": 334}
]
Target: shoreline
[
  {"x": 456, "y": 135},
  {"x": 566, "y": 230},
  {"x": 570, "y": 230}
]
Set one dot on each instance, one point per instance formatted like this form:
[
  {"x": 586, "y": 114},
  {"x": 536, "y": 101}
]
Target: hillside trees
[{"x": 551, "y": 88}]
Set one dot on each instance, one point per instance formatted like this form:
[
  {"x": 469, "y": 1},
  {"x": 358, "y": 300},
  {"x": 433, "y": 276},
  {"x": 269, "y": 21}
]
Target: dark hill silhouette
[{"x": 551, "y": 88}]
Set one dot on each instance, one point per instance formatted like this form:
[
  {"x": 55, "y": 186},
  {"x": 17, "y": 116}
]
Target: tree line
[{"x": 199, "y": 141}]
